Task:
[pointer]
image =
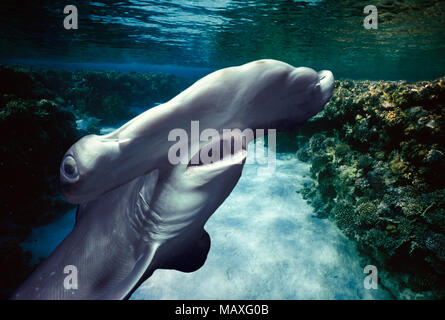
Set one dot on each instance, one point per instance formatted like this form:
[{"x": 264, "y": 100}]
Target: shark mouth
[{"x": 220, "y": 152}]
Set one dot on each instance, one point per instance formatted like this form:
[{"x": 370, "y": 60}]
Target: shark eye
[{"x": 69, "y": 167}]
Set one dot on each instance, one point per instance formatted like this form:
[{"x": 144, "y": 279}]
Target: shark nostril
[{"x": 324, "y": 75}]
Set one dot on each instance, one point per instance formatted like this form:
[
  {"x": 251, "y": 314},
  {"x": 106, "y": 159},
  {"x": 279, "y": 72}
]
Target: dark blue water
[
  {"x": 324, "y": 34},
  {"x": 271, "y": 248}
]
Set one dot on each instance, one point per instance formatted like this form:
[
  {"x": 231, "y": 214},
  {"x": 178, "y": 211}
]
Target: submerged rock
[
  {"x": 109, "y": 96},
  {"x": 381, "y": 177},
  {"x": 35, "y": 134}
]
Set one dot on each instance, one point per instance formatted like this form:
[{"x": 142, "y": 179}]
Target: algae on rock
[{"x": 379, "y": 172}]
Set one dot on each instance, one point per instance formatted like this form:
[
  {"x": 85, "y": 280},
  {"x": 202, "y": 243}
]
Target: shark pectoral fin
[
  {"x": 142, "y": 270},
  {"x": 191, "y": 258}
]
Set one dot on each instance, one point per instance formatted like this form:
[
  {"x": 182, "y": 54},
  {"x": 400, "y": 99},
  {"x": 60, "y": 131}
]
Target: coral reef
[
  {"x": 35, "y": 135},
  {"x": 378, "y": 169},
  {"x": 109, "y": 95}
]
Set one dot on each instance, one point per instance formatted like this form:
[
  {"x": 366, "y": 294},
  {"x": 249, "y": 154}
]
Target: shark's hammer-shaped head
[
  {"x": 263, "y": 94},
  {"x": 151, "y": 211},
  {"x": 83, "y": 167}
]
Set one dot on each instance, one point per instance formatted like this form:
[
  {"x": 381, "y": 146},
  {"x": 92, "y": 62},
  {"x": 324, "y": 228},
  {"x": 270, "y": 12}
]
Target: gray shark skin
[
  {"x": 265, "y": 94},
  {"x": 155, "y": 221},
  {"x": 137, "y": 212}
]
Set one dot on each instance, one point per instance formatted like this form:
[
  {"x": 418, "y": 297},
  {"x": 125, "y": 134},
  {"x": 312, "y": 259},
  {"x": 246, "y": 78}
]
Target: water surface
[{"x": 324, "y": 34}]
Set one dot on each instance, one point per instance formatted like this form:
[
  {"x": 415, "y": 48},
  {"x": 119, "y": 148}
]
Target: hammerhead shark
[{"x": 138, "y": 212}]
